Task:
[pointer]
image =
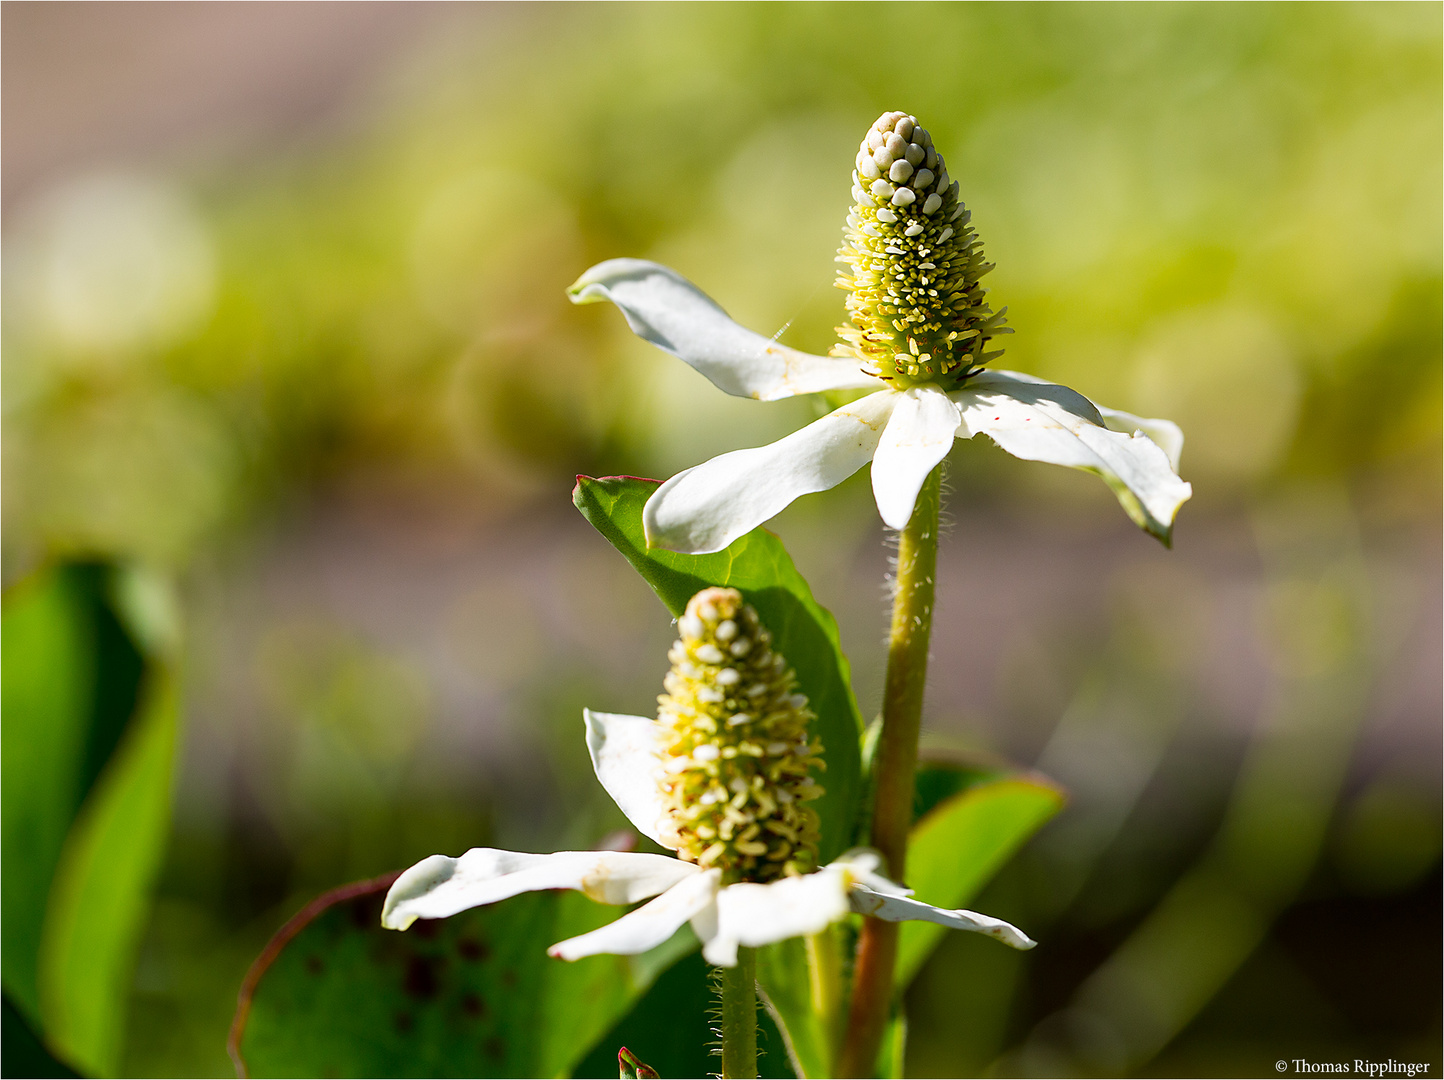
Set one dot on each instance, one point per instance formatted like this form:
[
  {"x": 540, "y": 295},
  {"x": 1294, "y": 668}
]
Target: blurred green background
[{"x": 293, "y": 398}]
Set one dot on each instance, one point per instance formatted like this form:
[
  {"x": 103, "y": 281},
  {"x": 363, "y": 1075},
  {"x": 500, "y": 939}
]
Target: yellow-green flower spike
[
  {"x": 918, "y": 313},
  {"x": 736, "y": 754}
]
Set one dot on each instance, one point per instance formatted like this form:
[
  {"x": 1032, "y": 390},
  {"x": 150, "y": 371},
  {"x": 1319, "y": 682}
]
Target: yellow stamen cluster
[
  {"x": 736, "y": 754},
  {"x": 918, "y": 313}
]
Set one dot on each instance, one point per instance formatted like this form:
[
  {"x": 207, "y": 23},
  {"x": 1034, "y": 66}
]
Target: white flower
[
  {"x": 625, "y": 755},
  {"x": 905, "y": 433}
]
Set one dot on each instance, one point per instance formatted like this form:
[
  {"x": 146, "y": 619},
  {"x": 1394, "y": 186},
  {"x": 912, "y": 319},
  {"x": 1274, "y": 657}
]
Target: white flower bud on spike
[
  {"x": 934, "y": 201},
  {"x": 900, "y": 171},
  {"x": 904, "y": 197},
  {"x": 882, "y": 189},
  {"x": 904, "y": 127},
  {"x": 922, "y": 180},
  {"x": 867, "y": 168}
]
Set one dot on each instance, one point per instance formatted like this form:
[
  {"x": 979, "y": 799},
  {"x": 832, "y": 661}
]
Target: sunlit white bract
[
  {"x": 904, "y": 433},
  {"x": 624, "y": 754}
]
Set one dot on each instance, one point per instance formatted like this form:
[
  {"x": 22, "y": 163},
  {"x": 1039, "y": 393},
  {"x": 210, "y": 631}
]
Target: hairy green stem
[
  {"x": 897, "y": 756},
  {"x": 739, "y": 1017}
]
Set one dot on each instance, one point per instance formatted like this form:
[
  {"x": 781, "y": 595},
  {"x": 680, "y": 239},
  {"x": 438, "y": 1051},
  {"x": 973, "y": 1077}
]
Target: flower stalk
[
  {"x": 739, "y": 1017},
  {"x": 897, "y": 754}
]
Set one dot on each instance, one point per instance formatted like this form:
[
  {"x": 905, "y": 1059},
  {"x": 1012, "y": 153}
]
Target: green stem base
[{"x": 739, "y": 1017}]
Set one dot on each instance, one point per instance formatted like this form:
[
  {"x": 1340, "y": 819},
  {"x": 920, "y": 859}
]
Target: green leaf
[
  {"x": 100, "y": 896},
  {"x": 940, "y": 778},
  {"x": 86, "y": 788},
  {"x": 961, "y": 842},
  {"x": 472, "y": 995},
  {"x": 45, "y": 698},
  {"x": 21, "y": 1051},
  {"x": 803, "y": 631}
]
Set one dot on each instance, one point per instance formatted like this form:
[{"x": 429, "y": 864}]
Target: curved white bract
[
  {"x": 919, "y": 435},
  {"x": 666, "y": 309},
  {"x": 624, "y": 752},
  {"x": 708, "y": 506},
  {"x": 904, "y": 432},
  {"x": 440, "y": 886},
  {"x": 1041, "y": 421},
  {"x": 723, "y": 917}
]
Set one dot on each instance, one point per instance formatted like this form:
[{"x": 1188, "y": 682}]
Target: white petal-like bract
[
  {"x": 440, "y": 886},
  {"x": 708, "y": 506},
  {"x": 1041, "y": 421},
  {"x": 1167, "y": 434},
  {"x": 865, "y": 901},
  {"x": 705, "y": 508},
  {"x": 918, "y": 436},
  {"x": 752, "y": 914},
  {"x": 861, "y": 865},
  {"x": 624, "y": 753},
  {"x": 649, "y": 925},
  {"x": 666, "y": 309}
]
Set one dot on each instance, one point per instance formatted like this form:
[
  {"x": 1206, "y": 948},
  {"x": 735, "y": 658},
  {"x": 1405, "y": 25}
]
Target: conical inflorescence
[
  {"x": 918, "y": 313},
  {"x": 736, "y": 752}
]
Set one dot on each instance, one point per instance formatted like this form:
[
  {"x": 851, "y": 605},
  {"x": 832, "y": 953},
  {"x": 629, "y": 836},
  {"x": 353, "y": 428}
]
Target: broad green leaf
[
  {"x": 21, "y": 1051},
  {"x": 47, "y": 688},
  {"x": 101, "y": 892},
  {"x": 86, "y": 788},
  {"x": 472, "y": 995},
  {"x": 957, "y": 847},
  {"x": 940, "y": 778},
  {"x": 803, "y": 631},
  {"x": 671, "y": 1029}
]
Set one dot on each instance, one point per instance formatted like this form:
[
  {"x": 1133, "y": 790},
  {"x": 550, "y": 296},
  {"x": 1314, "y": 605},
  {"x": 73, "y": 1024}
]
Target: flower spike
[
  {"x": 736, "y": 753},
  {"x": 917, "y": 309}
]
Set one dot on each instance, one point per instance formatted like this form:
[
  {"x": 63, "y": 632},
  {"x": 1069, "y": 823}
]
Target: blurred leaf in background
[{"x": 90, "y": 730}]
